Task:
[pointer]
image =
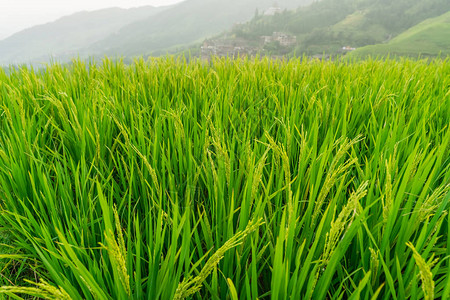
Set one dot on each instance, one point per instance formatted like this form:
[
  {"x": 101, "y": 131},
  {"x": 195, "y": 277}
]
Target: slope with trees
[
  {"x": 140, "y": 31},
  {"x": 429, "y": 38},
  {"x": 328, "y": 25}
]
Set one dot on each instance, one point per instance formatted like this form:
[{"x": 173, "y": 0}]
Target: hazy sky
[{"x": 16, "y": 15}]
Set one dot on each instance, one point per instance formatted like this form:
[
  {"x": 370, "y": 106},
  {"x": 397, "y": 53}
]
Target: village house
[
  {"x": 284, "y": 39},
  {"x": 266, "y": 39},
  {"x": 271, "y": 11},
  {"x": 225, "y": 48},
  {"x": 348, "y": 48}
]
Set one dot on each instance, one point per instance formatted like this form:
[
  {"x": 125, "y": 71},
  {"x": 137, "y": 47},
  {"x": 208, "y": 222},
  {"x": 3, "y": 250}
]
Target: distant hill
[
  {"x": 70, "y": 35},
  {"x": 141, "y": 31},
  {"x": 429, "y": 38},
  {"x": 327, "y": 26},
  {"x": 319, "y": 27},
  {"x": 185, "y": 23}
]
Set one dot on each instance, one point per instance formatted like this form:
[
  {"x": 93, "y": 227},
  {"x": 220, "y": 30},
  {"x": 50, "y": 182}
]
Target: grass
[
  {"x": 235, "y": 179},
  {"x": 427, "y": 39}
]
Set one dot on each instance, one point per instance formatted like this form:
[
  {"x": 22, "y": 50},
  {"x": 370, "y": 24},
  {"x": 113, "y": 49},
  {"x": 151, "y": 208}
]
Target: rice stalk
[
  {"x": 190, "y": 286},
  {"x": 42, "y": 290},
  {"x": 426, "y": 275},
  {"x": 334, "y": 172}
]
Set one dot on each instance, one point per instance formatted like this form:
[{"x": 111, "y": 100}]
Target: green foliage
[
  {"x": 328, "y": 25},
  {"x": 235, "y": 179},
  {"x": 138, "y": 31},
  {"x": 429, "y": 38}
]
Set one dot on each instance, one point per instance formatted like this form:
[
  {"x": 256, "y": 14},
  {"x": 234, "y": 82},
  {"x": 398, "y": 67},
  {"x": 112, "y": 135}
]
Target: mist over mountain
[
  {"x": 128, "y": 32},
  {"x": 338, "y": 26},
  {"x": 69, "y": 36},
  {"x": 189, "y": 21},
  {"x": 317, "y": 27}
]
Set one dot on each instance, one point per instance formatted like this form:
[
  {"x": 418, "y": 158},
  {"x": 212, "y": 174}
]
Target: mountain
[
  {"x": 186, "y": 23},
  {"x": 317, "y": 27},
  {"x": 141, "y": 31},
  {"x": 69, "y": 36},
  {"x": 329, "y": 25},
  {"x": 429, "y": 38}
]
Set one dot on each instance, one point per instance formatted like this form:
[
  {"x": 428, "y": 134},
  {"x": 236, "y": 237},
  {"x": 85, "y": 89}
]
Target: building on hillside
[
  {"x": 348, "y": 48},
  {"x": 271, "y": 11},
  {"x": 226, "y": 48},
  {"x": 266, "y": 39},
  {"x": 284, "y": 39}
]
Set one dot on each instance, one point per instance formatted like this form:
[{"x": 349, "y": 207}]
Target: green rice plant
[
  {"x": 192, "y": 285},
  {"x": 43, "y": 290},
  {"x": 145, "y": 181},
  {"x": 425, "y": 274}
]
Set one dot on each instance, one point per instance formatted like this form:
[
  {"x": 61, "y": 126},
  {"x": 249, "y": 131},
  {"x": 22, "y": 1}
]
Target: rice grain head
[
  {"x": 425, "y": 273},
  {"x": 190, "y": 286}
]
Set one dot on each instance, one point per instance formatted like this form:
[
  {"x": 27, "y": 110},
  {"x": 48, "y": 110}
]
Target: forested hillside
[
  {"x": 135, "y": 32},
  {"x": 328, "y": 25},
  {"x": 428, "y": 38},
  {"x": 186, "y": 23}
]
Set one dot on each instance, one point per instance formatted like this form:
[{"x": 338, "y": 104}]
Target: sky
[{"x": 16, "y": 15}]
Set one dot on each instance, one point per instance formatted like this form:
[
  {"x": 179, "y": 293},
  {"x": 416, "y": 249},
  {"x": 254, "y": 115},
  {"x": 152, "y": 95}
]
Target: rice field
[{"x": 235, "y": 179}]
